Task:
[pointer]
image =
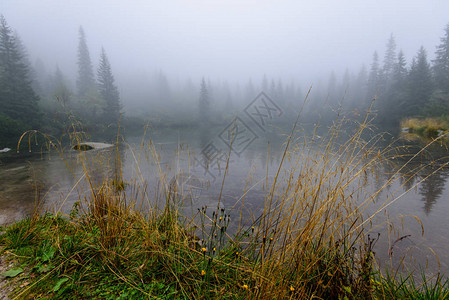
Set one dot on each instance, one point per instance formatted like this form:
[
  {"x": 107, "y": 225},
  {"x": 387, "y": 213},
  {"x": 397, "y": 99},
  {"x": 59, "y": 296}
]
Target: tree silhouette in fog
[
  {"x": 108, "y": 90},
  {"x": 19, "y": 110},
  {"x": 204, "y": 102},
  {"x": 441, "y": 63},
  {"x": 420, "y": 84},
  {"x": 86, "y": 80}
]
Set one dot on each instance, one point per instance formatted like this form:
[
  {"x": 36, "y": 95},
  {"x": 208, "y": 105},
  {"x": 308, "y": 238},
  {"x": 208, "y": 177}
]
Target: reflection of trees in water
[
  {"x": 387, "y": 173},
  {"x": 204, "y": 137},
  {"x": 421, "y": 167},
  {"x": 208, "y": 150},
  {"x": 410, "y": 174},
  {"x": 432, "y": 188}
]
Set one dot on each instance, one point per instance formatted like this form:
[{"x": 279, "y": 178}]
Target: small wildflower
[
  {"x": 237, "y": 253},
  {"x": 271, "y": 239},
  {"x": 203, "y": 272},
  {"x": 214, "y": 249},
  {"x": 292, "y": 289},
  {"x": 204, "y": 249},
  {"x": 220, "y": 218},
  {"x": 245, "y": 286}
]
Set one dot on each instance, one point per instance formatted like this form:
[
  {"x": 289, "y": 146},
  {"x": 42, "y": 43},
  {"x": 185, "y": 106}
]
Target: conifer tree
[
  {"x": 85, "y": 82},
  {"x": 108, "y": 90},
  {"x": 420, "y": 84},
  {"x": 204, "y": 102},
  {"x": 373, "y": 77},
  {"x": 360, "y": 86},
  {"x": 60, "y": 88},
  {"x": 389, "y": 62},
  {"x": 18, "y": 100},
  {"x": 162, "y": 91},
  {"x": 400, "y": 70},
  {"x": 441, "y": 63}
]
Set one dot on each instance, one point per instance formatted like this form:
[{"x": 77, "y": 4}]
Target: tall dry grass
[{"x": 310, "y": 241}]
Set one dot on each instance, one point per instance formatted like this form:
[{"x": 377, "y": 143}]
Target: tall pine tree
[
  {"x": 86, "y": 81},
  {"x": 420, "y": 84},
  {"x": 60, "y": 87},
  {"x": 204, "y": 102},
  {"x": 18, "y": 101},
  {"x": 108, "y": 90},
  {"x": 441, "y": 63},
  {"x": 389, "y": 62},
  {"x": 373, "y": 77}
]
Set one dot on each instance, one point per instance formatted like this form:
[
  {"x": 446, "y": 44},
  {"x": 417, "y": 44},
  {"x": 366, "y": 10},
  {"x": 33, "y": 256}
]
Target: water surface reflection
[{"x": 180, "y": 156}]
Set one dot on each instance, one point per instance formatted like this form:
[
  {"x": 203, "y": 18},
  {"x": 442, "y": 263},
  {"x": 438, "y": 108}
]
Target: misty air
[{"x": 224, "y": 149}]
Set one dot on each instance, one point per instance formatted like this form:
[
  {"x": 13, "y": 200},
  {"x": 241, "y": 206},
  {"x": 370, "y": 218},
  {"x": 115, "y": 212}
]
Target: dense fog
[{"x": 151, "y": 60}]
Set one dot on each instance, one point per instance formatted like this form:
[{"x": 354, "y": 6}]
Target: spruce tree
[
  {"x": 60, "y": 88},
  {"x": 396, "y": 96},
  {"x": 85, "y": 82},
  {"x": 331, "y": 94},
  {"x": 441, "y": 63},
  {"x": 400, "y": 70},
  {"x": 18, "y": 100},
  {"x": 162, "y": 90},
  {"x": 373, "y": 77},
  {"x": 264, "y": 83},
  {"x": 360, "y": 87},
  {"x": 108, "y": 90},
  {"x": 204, "y": 102},
  {"x": 420, "y": 84},
  {"x": 389, "y": 62}
]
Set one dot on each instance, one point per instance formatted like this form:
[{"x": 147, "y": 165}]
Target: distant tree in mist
[
  {"x": 162, "y": 92},
  {"x": 18, "y": 101},
  {"x": 40, "y": 73},
  {"x": 272, "y": 91},
  {"x": 331, "y": 92},
  {"x": 204, "y": 102},
  {"x": 32, "y": 75},
  {"x": 265, "y": 83},
  {"x": 359, "y": 93},
  {"x": 441, "y": 63},
  {"x": 86, "y": 81},
  {"x": 373, "y": 77},
  {"x": 107, "y": 89},
  {"x": 389, "y": 62},
  {"x": 420, "y": 84},
  {"x": 400, "y": 69},
  {"x": 60, "y": 87}
]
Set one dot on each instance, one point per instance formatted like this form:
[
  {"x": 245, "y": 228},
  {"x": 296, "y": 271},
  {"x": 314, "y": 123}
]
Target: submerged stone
[{"x": 91, "y": 146}]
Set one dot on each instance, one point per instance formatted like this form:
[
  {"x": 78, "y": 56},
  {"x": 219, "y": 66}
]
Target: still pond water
[{"x": 60, "y": 183}]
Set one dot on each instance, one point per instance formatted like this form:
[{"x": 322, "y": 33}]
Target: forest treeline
[
  {"x": 30, "y": 101},
  {"x": 33, "y": 98}
]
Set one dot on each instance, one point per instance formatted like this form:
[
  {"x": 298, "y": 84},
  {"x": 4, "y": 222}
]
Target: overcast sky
[{"x": 228, "y": 39}]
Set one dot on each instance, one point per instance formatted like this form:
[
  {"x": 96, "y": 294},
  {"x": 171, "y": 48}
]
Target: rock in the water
[{"x": 91, "y": 146}]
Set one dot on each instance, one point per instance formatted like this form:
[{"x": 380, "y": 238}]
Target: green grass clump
[
  {"x": 426, "y": 127},
  {"x": 112, "y": 252}
]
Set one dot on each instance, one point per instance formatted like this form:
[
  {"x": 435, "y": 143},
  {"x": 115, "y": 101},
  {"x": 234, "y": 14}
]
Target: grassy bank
[
  {"x": 426, "y": 127},
  {"x": 311, "y": 240}
]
